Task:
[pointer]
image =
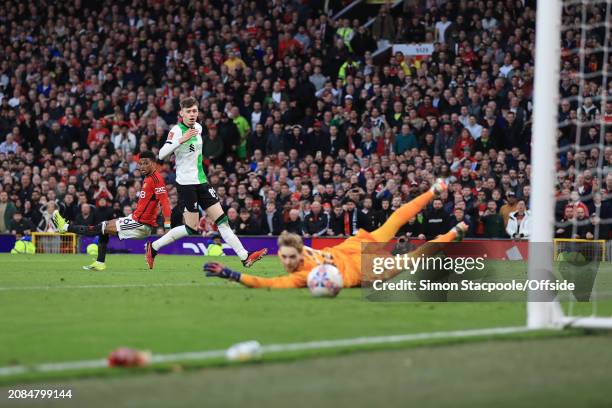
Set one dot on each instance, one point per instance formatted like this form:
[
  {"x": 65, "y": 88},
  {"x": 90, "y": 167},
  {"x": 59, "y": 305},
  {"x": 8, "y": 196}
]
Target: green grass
[
  {"x": 558, "y": 372},
  {"x": 52, "y": 311}
]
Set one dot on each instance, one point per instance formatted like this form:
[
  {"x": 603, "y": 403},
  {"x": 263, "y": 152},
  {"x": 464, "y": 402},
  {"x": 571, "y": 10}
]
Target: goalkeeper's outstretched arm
[{"x": 293, "y": 280}]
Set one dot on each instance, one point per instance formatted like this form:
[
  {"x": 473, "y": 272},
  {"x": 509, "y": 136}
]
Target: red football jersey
[{"x": 153, "y": 193}]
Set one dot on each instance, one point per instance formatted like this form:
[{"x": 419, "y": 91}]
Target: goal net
[
  {"x": 571, "y": 157},
  {"x": 581, "y": 249},
  {"x": 52, "y": 243}
]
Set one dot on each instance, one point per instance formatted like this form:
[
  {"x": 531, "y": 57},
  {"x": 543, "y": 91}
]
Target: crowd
[{"x": 304, "y": 129}]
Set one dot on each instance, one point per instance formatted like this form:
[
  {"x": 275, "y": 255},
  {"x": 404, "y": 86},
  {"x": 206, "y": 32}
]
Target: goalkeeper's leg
[
  {"x": 401, "y": 216},
  {"x": 432, "y": 247}
]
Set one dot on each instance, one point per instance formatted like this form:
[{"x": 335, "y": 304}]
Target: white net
[
  {"x": 585, "y": 122},
  {"x": 583, "y": 211}
]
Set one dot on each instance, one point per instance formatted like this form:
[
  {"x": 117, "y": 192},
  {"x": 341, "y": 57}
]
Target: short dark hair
[
  {"x": 188, "y": 102},
  {"x": 148, "y": 155}
]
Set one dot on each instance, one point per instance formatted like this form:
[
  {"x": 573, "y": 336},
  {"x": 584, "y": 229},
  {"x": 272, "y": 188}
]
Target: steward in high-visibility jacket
[{"x": 349, "y": 67}]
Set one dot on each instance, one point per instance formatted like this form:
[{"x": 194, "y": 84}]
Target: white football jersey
[{"x": 189, "y": 166}]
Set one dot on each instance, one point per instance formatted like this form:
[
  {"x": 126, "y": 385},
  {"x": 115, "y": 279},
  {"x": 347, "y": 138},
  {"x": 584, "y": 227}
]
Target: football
[{"x": 324, "y": 281}]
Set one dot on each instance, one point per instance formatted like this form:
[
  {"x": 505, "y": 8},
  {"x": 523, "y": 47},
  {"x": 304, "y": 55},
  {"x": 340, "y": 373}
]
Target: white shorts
[{"x": 127, "y": 228}]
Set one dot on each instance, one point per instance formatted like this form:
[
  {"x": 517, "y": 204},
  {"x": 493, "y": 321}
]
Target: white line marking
[
  {"x": 273, "y": 348},
  {"x": 101, "y": 286}
]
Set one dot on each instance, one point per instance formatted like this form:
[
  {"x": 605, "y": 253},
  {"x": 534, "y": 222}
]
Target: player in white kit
[{"x": 185, "y": 141}]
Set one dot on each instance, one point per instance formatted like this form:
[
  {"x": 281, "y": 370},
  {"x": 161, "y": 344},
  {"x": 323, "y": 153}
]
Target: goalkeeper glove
[{"x": 218, "y": 270}]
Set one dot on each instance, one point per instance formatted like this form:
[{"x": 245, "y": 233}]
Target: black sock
[
  {"x": 87, "y": 230},
  {"x": 102, "y": 243}
]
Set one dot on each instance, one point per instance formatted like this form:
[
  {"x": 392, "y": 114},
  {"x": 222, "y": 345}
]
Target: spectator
[
  {"x": 436, "y": 220},
  {"x": 346, "y": 33},
  {"x": 212, "y": 145},
  {"x": 474, "y": 128},
  {"x": 316, "y": 222},
  {"x": 272, "y": 223},
  {"x": 463, "y": 144},
  {"x": 484, "y": 143},
  {"x": 510, "y": 206},
  {"x": 519, "y": 224},
  {"x": 233, "y": 218},
  {"x": 445, "y": 140},
  {"x": 350, "y": 217},
  {"x": 493, "y": 222},
  {"x": 565, "y": 225},
  {"x": 441, "y": 27},
  {"x": 233, "y": 63},
  {"x": 257, "y": 140},
  {"x": 86, "y": 215},
  {"x": 294, "y": 224},
  {"x": 20, "y": 226},
  {"x": 369, "y": 145},
  {"x": 317, "y": 78},
  {"x": 336, "y": 222},
  {"x": 383, "y": 28},
  {"x": 367, "y": 218},
  {"x": 413, "y": 229},
  {"x": 228, "y": 132},
  {"x": 7, "y": 209},
  {"x": 460, "y": 216},
  {"x": 243, "y": 131},
  {"x": 46, "y": 222},
  {"x": 125, "y": 140},
  {"x": 9, "y": 145},
  {"x": 405, "y": 140},
  {"x": 274, "y": 141},
  {"x": 96, "y": 135},
  {"x": 582, "y": 226},
  {"x": 603, "y": 210},
  {"x": 101, "y": 192},
  {"x": 104, "y": 211},
  {"x": 246, "y": 225}
]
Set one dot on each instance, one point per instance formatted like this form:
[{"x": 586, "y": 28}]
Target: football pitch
[{"x": 54, "y": 312}]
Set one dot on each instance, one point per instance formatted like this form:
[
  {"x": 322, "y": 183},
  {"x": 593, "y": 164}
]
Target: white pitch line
[
  {"x": 273, "y": 348},
  {"x": 100, "y": 286}
]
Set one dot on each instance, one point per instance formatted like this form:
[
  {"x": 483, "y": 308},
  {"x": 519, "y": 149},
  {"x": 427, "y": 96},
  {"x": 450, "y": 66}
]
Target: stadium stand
[{"x": 297, "y": 110}]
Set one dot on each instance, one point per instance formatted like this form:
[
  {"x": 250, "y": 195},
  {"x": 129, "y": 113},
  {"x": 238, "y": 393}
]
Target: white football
[{"x": 325, "y": 281}]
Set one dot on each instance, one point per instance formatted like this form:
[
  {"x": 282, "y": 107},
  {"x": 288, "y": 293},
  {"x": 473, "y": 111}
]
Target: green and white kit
[{"x": 189, "y": 167}]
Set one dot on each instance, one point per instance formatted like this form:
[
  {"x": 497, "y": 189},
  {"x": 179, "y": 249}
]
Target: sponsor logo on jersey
[{"x": 160, "y": 190}]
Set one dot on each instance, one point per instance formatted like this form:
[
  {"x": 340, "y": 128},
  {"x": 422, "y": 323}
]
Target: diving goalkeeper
[{"x": 298, "y": 260}]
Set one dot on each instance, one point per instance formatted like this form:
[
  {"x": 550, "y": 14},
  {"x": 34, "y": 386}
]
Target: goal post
[
  {"x": 543, "y": 157},
  {"x": 54, "y": 243}
]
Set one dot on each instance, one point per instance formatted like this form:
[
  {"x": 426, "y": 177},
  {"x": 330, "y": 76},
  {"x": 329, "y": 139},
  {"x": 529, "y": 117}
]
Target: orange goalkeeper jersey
[{"x": 345, "y": 256}]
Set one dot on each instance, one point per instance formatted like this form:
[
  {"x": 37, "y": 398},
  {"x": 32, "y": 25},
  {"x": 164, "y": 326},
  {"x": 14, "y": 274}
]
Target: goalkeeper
[{"x": 298, "y": 260}]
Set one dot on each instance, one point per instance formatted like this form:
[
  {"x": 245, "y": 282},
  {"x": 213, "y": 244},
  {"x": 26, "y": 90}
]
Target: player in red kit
[{"x": 138, "y": 225}]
